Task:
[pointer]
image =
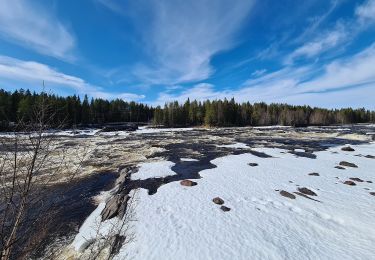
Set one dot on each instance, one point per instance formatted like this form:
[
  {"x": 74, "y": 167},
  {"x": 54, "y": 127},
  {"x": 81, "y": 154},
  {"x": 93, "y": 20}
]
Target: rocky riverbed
[{"x": 189, "y": 152}]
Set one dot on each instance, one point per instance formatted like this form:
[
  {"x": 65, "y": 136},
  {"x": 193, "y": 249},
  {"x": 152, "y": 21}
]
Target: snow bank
[{"x": 183, "y": 223}]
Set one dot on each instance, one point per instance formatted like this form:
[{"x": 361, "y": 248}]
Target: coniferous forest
[{"x": 18, "y": 105}]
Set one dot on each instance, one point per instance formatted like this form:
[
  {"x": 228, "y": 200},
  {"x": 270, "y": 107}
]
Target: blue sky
[{"x": 315, "y": 52}]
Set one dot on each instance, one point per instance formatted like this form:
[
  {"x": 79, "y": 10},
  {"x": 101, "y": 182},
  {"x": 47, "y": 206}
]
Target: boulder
[
  {"x": 188, "y": 183},
  {"x": 348, "y": 164},
  {"x": 370, "y": 156},
  {"x": 350, "y": 183},
  {"x": 347, "y": 149},
  {"x": 372, "y": 193},
  {"x": 340, "y": 167},
  {"x": 287, "y": 194},
  {"x": 307, "y": 191},
  {"x": 314, "y": 174},
  {"x": 224, "y": 208},
  {"x": 253, "y": 164},
  {"x": 218, "y": 201}
]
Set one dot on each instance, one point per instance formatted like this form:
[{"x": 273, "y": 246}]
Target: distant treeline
[
  {"x": 229, "y": 113},
  {"x": 71, "y": 110}
]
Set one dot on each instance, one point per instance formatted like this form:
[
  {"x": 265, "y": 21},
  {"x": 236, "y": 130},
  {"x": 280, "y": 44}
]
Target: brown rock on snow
[
  {"x": 307, "y": 191},
  {"x": 218, "y": 201},
  {"x": 348, "y": 164},
  {"x": 188, "y": 183},
  {"x": 287, "y": 194},
  {"x": 351, "y": 183}
]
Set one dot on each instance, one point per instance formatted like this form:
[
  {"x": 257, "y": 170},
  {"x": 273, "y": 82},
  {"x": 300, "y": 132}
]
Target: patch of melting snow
[
  {"x": 235, "y": 145},
  {"x": 188, "y": 160},
  {"x": 186, "y": 224},
  {"x": 153, "y": 170}
]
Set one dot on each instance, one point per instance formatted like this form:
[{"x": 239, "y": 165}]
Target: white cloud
[
  {"x": 31, "y": 26},
  {"x": 349, "y": 72},
  {"x": 30, "y": 72},
  {"x": 258, "y": 73},
  {"x": 321, "y": 44},
  {"x": 366, "y": 11},
  {"x": 342, "y": 83},
  {"x": 181, "y": 37}
]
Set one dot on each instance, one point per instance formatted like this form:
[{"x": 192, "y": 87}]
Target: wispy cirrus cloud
[
  {"x": 343, "y": 33},
  {"x": 33, "y": 73},
  {"x": 319, "y": 45},
  {"x": 32, "y": 26},
  {"x": 342, "y": 83},
  {"x": 181, "y": 37}
]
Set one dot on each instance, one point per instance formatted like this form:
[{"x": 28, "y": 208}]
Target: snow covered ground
[{"x": 183, "y": 223}]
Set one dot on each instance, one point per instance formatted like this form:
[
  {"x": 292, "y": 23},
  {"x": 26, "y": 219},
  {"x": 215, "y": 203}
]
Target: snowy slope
[{"x": 183, "y": 223}]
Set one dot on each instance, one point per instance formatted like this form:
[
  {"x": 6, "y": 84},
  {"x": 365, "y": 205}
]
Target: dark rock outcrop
[
  {"x": 340, "y": 167},
  {"x": 224, "y": 208},
  {"x": 314, "y": 174},
  {"x": 307, "y": 191},
  {"x": 347, "y": 149},
  {"x": 348, "y": 164},
  {"x": 115, "y": 206},
  {"x": 287, "y": 194},
  {"x": 253, "y": 164},
  {"x": 350, "y": 183},
  {"x": 356, "y": 179}
]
